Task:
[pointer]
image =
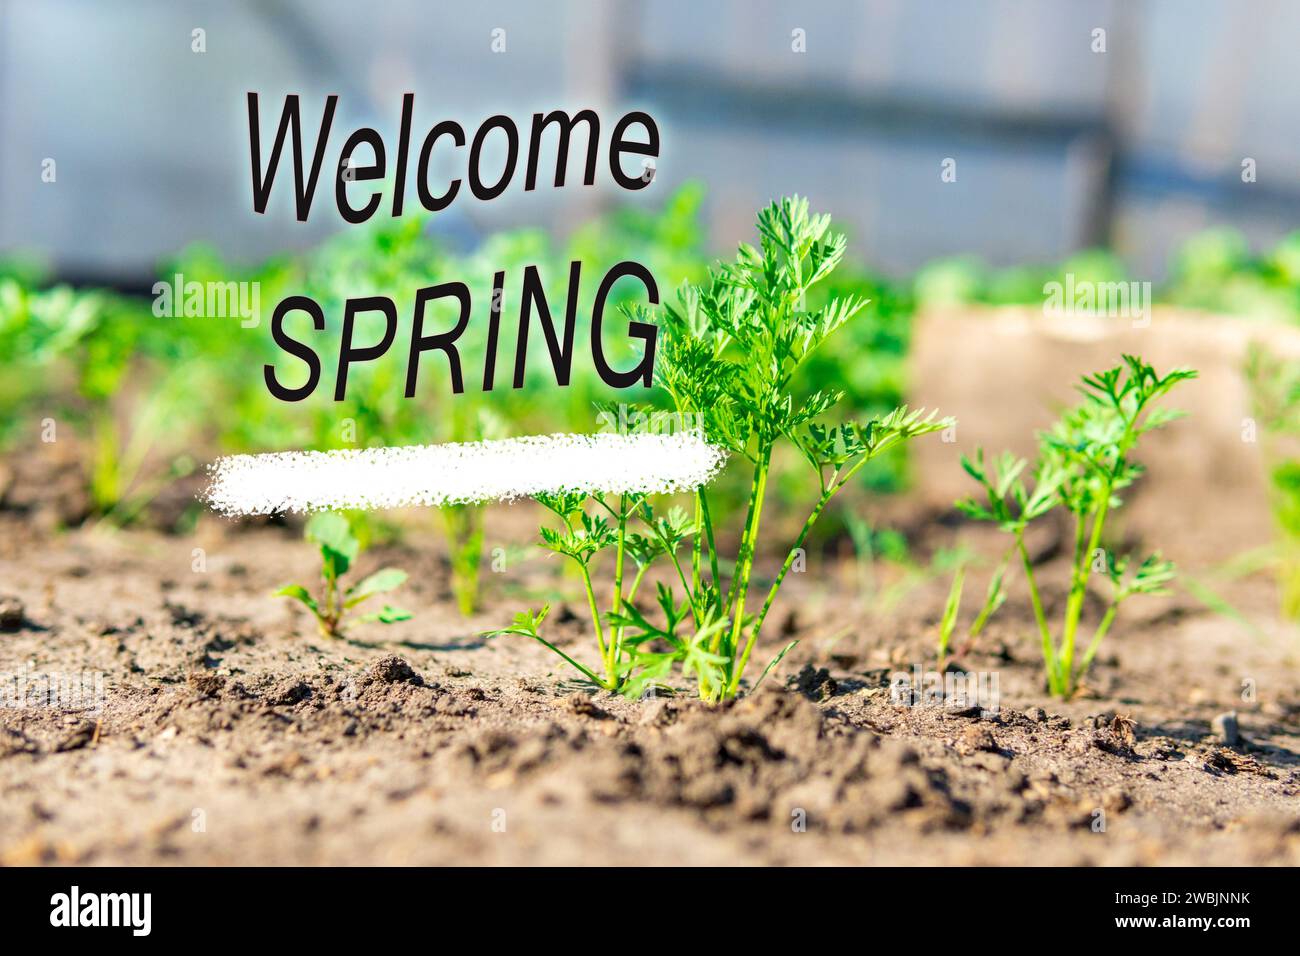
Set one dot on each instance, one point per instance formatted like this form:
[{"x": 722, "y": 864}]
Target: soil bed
[{"x": 232, "y": 733}]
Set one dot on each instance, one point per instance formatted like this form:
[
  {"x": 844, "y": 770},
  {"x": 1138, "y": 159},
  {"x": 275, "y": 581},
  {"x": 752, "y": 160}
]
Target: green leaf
[
  {"x": 526, "y": 623},
  {"x": 388, "y": 615},
  {"x": 391, "y": 615},
  {"x": 385, "y": 579},
  {"x": 1153, "y": 576},
  {"x": 338, "y": 547},
  {"x": 298, "y": 593},
  {"x": 771, "y": 665},
  {"x": 649, "y": 670},
  {"x": 994, "y": 598},
  {"x": 949, "y": 621},
  {"x": 563, "y": 503},
  {"x": 331, "y": 530}
]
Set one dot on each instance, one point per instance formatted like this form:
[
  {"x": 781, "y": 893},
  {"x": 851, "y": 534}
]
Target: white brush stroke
[{"x": 373, "y": 478}]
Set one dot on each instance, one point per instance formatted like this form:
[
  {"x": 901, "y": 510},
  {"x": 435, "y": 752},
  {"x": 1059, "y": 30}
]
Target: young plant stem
[
  {"x": 329, "y": 620},
  {"x": 636, "y": 583},
  {"x": 708, "y": 533},
  {"x": 1078, "y": 591},
  {"x": 985, "y": 612},
  {"x": 1049, "y": 653},
  {"x": 747, "y": 549},
  {"x": 829, "y": 490},
  {"x": 616, "y": 631},
  {"x": 744, "y": 538},
  {"x": 105, "y": 484},
  {"x": 1095, "y": 643},
  {"x": 776, "y": 586},
  {"x": 1083, "y": 562},
  {"x": 677, "y": 565},
  {"x": 1080, "y": 536},
  {"x": 586, "y": 670},
  {"x": 1289, "y": 575},
  {"x": 610, "y": 683},
  {"x": 697, "y": 547}
]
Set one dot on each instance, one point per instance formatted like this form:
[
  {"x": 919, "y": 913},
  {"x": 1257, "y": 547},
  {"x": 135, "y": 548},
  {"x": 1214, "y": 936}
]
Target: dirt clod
[
  {"x": 207, "y": 685},
  {"x": 1116, "y": 800},
  {"x": 12, "y": 613},
  {"x": 84, "y": 734},
  {"x": 288, "y": 692},
  {"x": 583, "y": 706},
  {"x": 815, "y": 683},
  {"x": 394, "y": 670},
  {"x": 975, "y": 738},
  {"x": 1225, "y": 726},
  {"x": 1122, "y": 730},
  {"x": 657, "y": 713}
]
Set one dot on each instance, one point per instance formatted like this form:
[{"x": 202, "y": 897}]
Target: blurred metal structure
[{"x": 1062, "y": 136}]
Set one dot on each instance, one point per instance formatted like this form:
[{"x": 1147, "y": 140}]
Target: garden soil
[{"x": 232, "y": 733}]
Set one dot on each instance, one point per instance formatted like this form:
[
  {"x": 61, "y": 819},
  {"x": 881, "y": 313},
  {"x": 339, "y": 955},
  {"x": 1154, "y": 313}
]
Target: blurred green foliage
[
  {"x": 1274, "y": 386},
  {"x": 966, "y": 280},
  {"x": 1213, "y": 270},
  {"x": 147, "y": 397}
]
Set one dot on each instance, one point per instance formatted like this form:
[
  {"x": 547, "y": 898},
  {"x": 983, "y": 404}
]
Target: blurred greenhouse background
[
  {"x": 1059, "y": 146},
  {"x": 1108, "y": 141}
]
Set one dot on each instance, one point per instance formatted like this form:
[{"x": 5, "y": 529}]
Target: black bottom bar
[{"x": 300, "y": 906}]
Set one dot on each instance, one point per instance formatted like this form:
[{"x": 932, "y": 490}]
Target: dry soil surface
[{"x": 231, "y": 733}]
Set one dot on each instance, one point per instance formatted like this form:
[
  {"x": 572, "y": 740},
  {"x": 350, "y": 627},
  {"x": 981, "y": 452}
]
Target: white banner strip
[{"x": 373, "y": 478}]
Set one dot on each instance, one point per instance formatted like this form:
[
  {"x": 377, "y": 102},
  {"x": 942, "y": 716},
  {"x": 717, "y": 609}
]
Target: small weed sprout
[
  {"x": 948, "y": 623},
  {"x": 1084, "y": 461},
  {"x": 338, "y": 549},
  {"x": 1275, "y": 403},
  {"x": 994, "y": 598},
  {"x": 464, "y": 527}
]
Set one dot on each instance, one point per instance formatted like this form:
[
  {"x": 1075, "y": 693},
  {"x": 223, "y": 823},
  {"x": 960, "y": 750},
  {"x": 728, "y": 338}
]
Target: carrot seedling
[
  {"x": 729, "y": 358},
  {"x": 581, "y": 537},
  {"x": 338, "y": 550},
  {"x": 1084, "y": 462},
  {"x": 729, "y": 353}
]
